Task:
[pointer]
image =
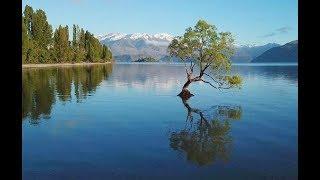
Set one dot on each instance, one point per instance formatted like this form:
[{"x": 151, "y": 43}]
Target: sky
[{"x": 252, "y": 22}]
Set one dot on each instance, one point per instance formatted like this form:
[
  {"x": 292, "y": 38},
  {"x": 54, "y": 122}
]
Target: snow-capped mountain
[
  {"x": 137, "y": 45},
  {"x": 162, "y": 39},
  {"x": 135, "y": 36},
  {"x": 111, "y": 36}
]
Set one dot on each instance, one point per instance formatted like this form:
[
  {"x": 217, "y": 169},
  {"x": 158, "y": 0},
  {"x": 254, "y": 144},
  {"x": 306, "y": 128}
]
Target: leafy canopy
[{"x": 202, "y": 45}]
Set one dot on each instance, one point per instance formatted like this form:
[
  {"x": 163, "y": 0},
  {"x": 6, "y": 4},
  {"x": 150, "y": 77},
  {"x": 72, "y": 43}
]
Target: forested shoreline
[{"x": 40, "y": 45}]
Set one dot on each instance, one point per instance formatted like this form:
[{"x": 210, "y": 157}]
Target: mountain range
[
  {"x": 285, "y": 53},
  {"x": 131, "y": 47},
  {"x": 245, "y": 54}
]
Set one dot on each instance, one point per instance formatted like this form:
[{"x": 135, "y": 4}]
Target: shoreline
[{"x": 60, "y": 64}]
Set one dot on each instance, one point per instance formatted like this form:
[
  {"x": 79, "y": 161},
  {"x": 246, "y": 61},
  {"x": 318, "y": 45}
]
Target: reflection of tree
[
  {"x": 208, "y": 138},
  {"x": 63, "y": 83},
  {"x": 39, "y": 87},
  {"x": 37, "y": 93},
  {"x": 86, "y": 79}
]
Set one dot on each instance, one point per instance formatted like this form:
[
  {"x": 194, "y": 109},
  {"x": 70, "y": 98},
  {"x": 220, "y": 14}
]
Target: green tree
[
  {"x": 61, "y": 45},
  {"x": 90, "y": 55},
  {"x": 81, "y": 37},
  {"x": 109, "y": 55},
  {"x": 28, "y": 16},
  {"x": 106, "y": 54},
  {"x": 79, "y": 52},
  {"x": 74, "y": 36},
  {"x": 25, "y": 41},
  {"x": 203, "y": 46},
  {"x": 41, "y": 29},
  {"x": 40, "y": 45}
]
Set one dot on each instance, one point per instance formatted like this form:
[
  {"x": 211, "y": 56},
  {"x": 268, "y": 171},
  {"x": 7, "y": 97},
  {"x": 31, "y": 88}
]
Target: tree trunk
[{"x": 185, "y": 93}]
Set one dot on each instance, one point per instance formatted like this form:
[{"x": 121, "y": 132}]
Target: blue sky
[{"x": 250, "y": 21}]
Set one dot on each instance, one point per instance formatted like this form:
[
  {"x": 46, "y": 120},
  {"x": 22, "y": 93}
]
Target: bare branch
[
  {"x": 225, "y": 87},
  {"x": 220, "y": 83},
  {"x": 215, "y": 86},
  {"x": 205, "y": 67},
  {"x": 185, "y": 66},
  {"x": 209, "y": 83}
]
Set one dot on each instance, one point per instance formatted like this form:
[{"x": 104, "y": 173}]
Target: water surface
[{"x": 124, "y": 121}]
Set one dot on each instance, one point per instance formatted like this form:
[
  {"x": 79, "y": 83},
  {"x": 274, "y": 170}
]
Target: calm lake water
[{"x": 124, "y": 121}]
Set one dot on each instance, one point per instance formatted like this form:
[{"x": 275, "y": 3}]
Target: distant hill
[
  {"x": 245, "y": 54},
  {"x": 285, "y": 53},
  {"x": 146, "y": 59},
  {"x": 168, "y": 58}
]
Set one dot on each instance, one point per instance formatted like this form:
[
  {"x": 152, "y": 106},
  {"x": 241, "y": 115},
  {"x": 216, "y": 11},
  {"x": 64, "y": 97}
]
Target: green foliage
[
  {"x": 90, "y": 52},
  {"x": 234, "y": 81},
  {"x": 205, "y": 47},
  {"x": 41, "y": 45},
  {"x": 62, "y": 50},
  {"x": 28, "y": 16},
  {"x": 74, "y": 36},
  {"x": 106, "y": 54},
  {"x": 25, "y": 40},
  {"x": 79, "y": 55},
  {"x": 41, "y": 30}
]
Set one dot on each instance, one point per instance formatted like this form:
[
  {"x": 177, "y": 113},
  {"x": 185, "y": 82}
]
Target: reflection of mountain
[
  {"x": 147, "y": 75},
  {"x": 42, "y": 87},
  {"x": 206, "y": 139}
]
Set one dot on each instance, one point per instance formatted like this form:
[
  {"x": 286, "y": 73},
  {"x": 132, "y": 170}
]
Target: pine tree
[
  {"x": 61, "y": 44},
  {"x": 74, "y": 37},
  {"x": 25, "y": 41},
  {"x": 41, "y": 29},
  {"x": 90, "y": 53},
  {"x": 28, "y": 16},
  {"x": 104, "y": 53},
  {"x": 109, "y": 55}
]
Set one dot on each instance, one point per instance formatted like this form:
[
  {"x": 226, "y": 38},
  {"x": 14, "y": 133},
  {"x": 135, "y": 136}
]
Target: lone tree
[{"x": 203, "y": 46}]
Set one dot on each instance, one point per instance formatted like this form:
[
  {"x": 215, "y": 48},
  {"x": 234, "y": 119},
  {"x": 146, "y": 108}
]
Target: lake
[{"x": 125, "y": 121}]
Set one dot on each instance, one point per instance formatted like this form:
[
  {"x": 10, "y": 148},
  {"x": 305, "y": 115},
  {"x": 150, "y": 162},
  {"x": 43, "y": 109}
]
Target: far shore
[{"x": 60, "y": 64}]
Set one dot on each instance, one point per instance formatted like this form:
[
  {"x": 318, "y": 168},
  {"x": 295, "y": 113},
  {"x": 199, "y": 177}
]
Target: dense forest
[{"x": 41, "y": 45}]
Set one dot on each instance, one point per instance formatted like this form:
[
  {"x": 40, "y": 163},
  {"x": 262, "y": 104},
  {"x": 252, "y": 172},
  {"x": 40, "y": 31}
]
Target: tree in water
[
  {"x": 203, "y": 46},
  {"x": 208, "y": 138}
]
